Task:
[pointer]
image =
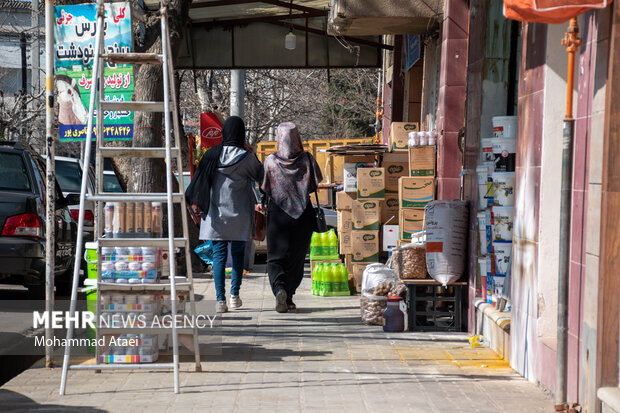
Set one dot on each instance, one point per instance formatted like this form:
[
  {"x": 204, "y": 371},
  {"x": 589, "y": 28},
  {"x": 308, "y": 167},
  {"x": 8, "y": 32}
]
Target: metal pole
[
  {"x": 34, "y": 48},
  {"x": 50, "y": 209},
  {"x": 22, "y": 45},
  {"x": 571, "y": 41},
  {"x": 80, "y": 234},
  {"x": 237, "y": 93}
]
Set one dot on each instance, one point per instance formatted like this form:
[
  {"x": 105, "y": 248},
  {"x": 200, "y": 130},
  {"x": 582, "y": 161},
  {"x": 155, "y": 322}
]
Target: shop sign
[{"x": 75, "y": 28}]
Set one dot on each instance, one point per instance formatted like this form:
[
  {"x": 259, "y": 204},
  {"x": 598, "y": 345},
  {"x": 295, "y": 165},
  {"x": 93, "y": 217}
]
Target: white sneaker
[
  {"x": 221, "y": 307},
  {"x": 235, "y": 302}
]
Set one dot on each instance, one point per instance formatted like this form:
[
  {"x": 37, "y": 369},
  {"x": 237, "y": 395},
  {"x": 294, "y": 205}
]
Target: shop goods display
[
  {"x": 504, "y": 154},
  {"x": 446, "y": 239},
  {"x": 505, "y": 126},
  {"x": 133, "y": 220},
  {"x": 503, "y": 188},
  {"x": 411, "y": 220},
  {"x": 140, "y": 348},
  {"x": 393, "y": 316},
  {"x": 350, "y": 170},
  {"x": 370, "y": 183},
  {"x": 324, "y": 246},
  {"x": 399, "y": 290},
  {"x": 422, "y": 160},
  {"x": 366, "y": 214},
  {"x": 390, "y": 237},
  {"x": 365, "y": 246},
  {"x": 486, "y": 146},
  {"x": 398, "y": 139},
  {"x": 377, "y": 282},
  {"x": 389, "y": 209},
  {"x": 482, "y": 232},
  {"x": 330, "y": 279},
  {"x": 422, "y": 138},
  {"x": 410, "y": 261},
  {"x": 395, "y": 164},
  {"x": 415, "y": 192},
  {"x": 485, "y": 186},
  {"x": 502, "y": 223}
]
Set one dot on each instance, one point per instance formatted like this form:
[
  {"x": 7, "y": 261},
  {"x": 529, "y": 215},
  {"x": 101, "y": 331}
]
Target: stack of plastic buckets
[
  {"x": 90, "y": 255},
  {"x": 496, "y": 192}
]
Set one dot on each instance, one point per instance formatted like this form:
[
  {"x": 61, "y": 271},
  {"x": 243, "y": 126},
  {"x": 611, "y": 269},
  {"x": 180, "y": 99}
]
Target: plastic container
[
  {"x": 483, "y": 185},
  {"x": 135, "y": 266},
  {"x": 109, "y": 218},
  {"x": 505, "y": 126},
  {"x": 135, "y": 251},
  {"x": 502, "y": 252},
  {"x": 122, "y": 281},
  {"x": 147, "y": 266},
  {"x": 486, "y": 146},
  {"x": 505, "y": 154},
  {"x": 432, "y": 138},
  {"x": 121, "y": 251},
  {"x": 503, "y": 188},
  {"x": 377, "y": 282},
  {"x": 502, "y": 223},
  {"x": 482, "y": 232},
  {"x": 121, "y": 265},
  {"x": 107, "y": 250},
  {"x": 394, "y": 318},
  {"x": 423, "y": 138},
  {"x": 413, "y": 139},
  {"x": 410, "y": 261}
]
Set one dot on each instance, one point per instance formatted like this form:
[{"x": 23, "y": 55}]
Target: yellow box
[
  {"x": 422, "y": 161},
  {"x": 365, "y": 245},
  {"x": 411, "y": 220},
  {"x": 344, "y": 200},
  {"x": 370, "y": 183},
  {"x": 366, "y": 214},
  {"x": 395, "y": 165},
  {"x": 389, "y": 209},
  {"x": 399, "y": 135},
  {"x": 415, "y": 192}
]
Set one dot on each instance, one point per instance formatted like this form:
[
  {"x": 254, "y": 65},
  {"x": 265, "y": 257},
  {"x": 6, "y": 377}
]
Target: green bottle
[
  {"x": 321, "y": 279},
  {"x": 314, "y": 243},
  {"x": 315, "y": 276},
  {"x": 324, "y": 250},
  {"x": 344, "y": 280},
  {"x": 332, "y": 244}
]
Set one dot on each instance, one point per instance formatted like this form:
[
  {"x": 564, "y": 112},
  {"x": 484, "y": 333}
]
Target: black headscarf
[{"x": 199, "y": 190}]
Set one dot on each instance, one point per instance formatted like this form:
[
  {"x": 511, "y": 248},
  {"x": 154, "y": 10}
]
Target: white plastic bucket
[
  {"x": 502, "y": 221},
  {"x": 488, "y": 221},
  {"x": 505, "y": 126},
  {"x": 486, "y": 146},
  {"x": 483, "y": 185},
  {"x": 503, "y": 257},
  {"x": 503, "y": 188},
  {"x": 505, "y": 154},
  {"x": 499, "y": 280},
  {"x": 482, "y": 232}
]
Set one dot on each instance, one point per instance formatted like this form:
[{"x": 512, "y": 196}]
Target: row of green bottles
[
  {"x": 330, "y": 279},
  {"x": 324, "y": 246}
]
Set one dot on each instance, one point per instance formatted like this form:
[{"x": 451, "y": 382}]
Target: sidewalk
[{"x": 321, "y": 359}]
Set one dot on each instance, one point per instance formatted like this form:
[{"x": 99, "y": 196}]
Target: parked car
[
  {"x": 69, "y": 177},
  {"x": 22, "y": 223}
]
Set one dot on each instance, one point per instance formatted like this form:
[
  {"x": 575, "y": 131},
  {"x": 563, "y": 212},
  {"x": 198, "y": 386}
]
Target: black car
[{"x": 22, "y": 223}]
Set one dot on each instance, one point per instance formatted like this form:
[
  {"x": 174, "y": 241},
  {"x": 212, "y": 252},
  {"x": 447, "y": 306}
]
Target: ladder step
[
  {"x": 134, "y": 106},
  {"x": 141, "y": 242},
  {"x": 139, "y": 58},
  {"x": 112, "y": 152},
  {"x": 128, "y": 366},
  {"x": 132, "y": 197}
]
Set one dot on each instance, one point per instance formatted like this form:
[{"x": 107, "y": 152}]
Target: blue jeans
[{"x": 220, "y": 255}]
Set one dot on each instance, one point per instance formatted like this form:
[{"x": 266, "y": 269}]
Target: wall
[{"x": 451, "y": 100}]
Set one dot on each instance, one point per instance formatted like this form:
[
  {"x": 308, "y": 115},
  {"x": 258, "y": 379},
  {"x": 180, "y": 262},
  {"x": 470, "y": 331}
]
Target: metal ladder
[{"x": 170, "y": 242}]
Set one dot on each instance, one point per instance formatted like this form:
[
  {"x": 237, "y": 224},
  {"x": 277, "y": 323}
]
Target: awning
[
  {"x": 549, "y": 11},
  {"x": 242, "y": 34}
]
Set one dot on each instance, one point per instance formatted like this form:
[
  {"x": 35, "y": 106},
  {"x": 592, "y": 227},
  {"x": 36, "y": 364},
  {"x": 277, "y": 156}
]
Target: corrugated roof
[{"x": 19, "y": 5}]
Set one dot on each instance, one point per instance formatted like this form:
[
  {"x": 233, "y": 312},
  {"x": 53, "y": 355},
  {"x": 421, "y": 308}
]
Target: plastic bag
[
  {"x": 377, "y": 282},
  {"x": 205, "y": 252}
]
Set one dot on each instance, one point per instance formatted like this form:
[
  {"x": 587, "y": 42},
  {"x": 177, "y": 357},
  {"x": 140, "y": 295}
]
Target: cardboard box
[
  {"x": 365, "y": 245},
  {"x": 344, "y": 200},
  {"x": 358, "y": 274},
  {"x": 344, "y": 221},
  {"x": 415, "y": 192},
  {"x": 390, "y": 237},
  {"x": 411, "y": 220},
  {"x": 370, "y": 183},
  {"x": 389, "y": 209},
  {"x": 365, "y": 214},
  {"x": 350, "y": 166},
  {"x": 314, "y": 262},
  {"x": 344, "y": 232},
  {"x": 399, "y": 135},
  {"x": 422, "y": 160},
  {"x": 395, "y": 165},
  {"x": 344, "y": 243},
  {"x": 349, "y": 264}
]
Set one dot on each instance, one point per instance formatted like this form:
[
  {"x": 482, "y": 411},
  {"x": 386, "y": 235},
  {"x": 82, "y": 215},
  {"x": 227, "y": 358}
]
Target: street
[{"x": 321, "y": 358}]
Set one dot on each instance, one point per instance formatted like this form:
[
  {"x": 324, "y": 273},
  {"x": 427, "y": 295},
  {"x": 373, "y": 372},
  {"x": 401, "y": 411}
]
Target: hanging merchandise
[{"x": 446, "y": 239}]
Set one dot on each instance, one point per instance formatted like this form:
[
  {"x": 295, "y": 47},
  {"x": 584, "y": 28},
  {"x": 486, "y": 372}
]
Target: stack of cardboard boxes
[{"x": 418, "y": 188}]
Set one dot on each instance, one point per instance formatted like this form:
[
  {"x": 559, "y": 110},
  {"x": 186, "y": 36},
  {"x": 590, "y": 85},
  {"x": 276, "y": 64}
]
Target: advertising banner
[
  {"x": 210, "y": 130},
  {"x": 74, "y": 49}
]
